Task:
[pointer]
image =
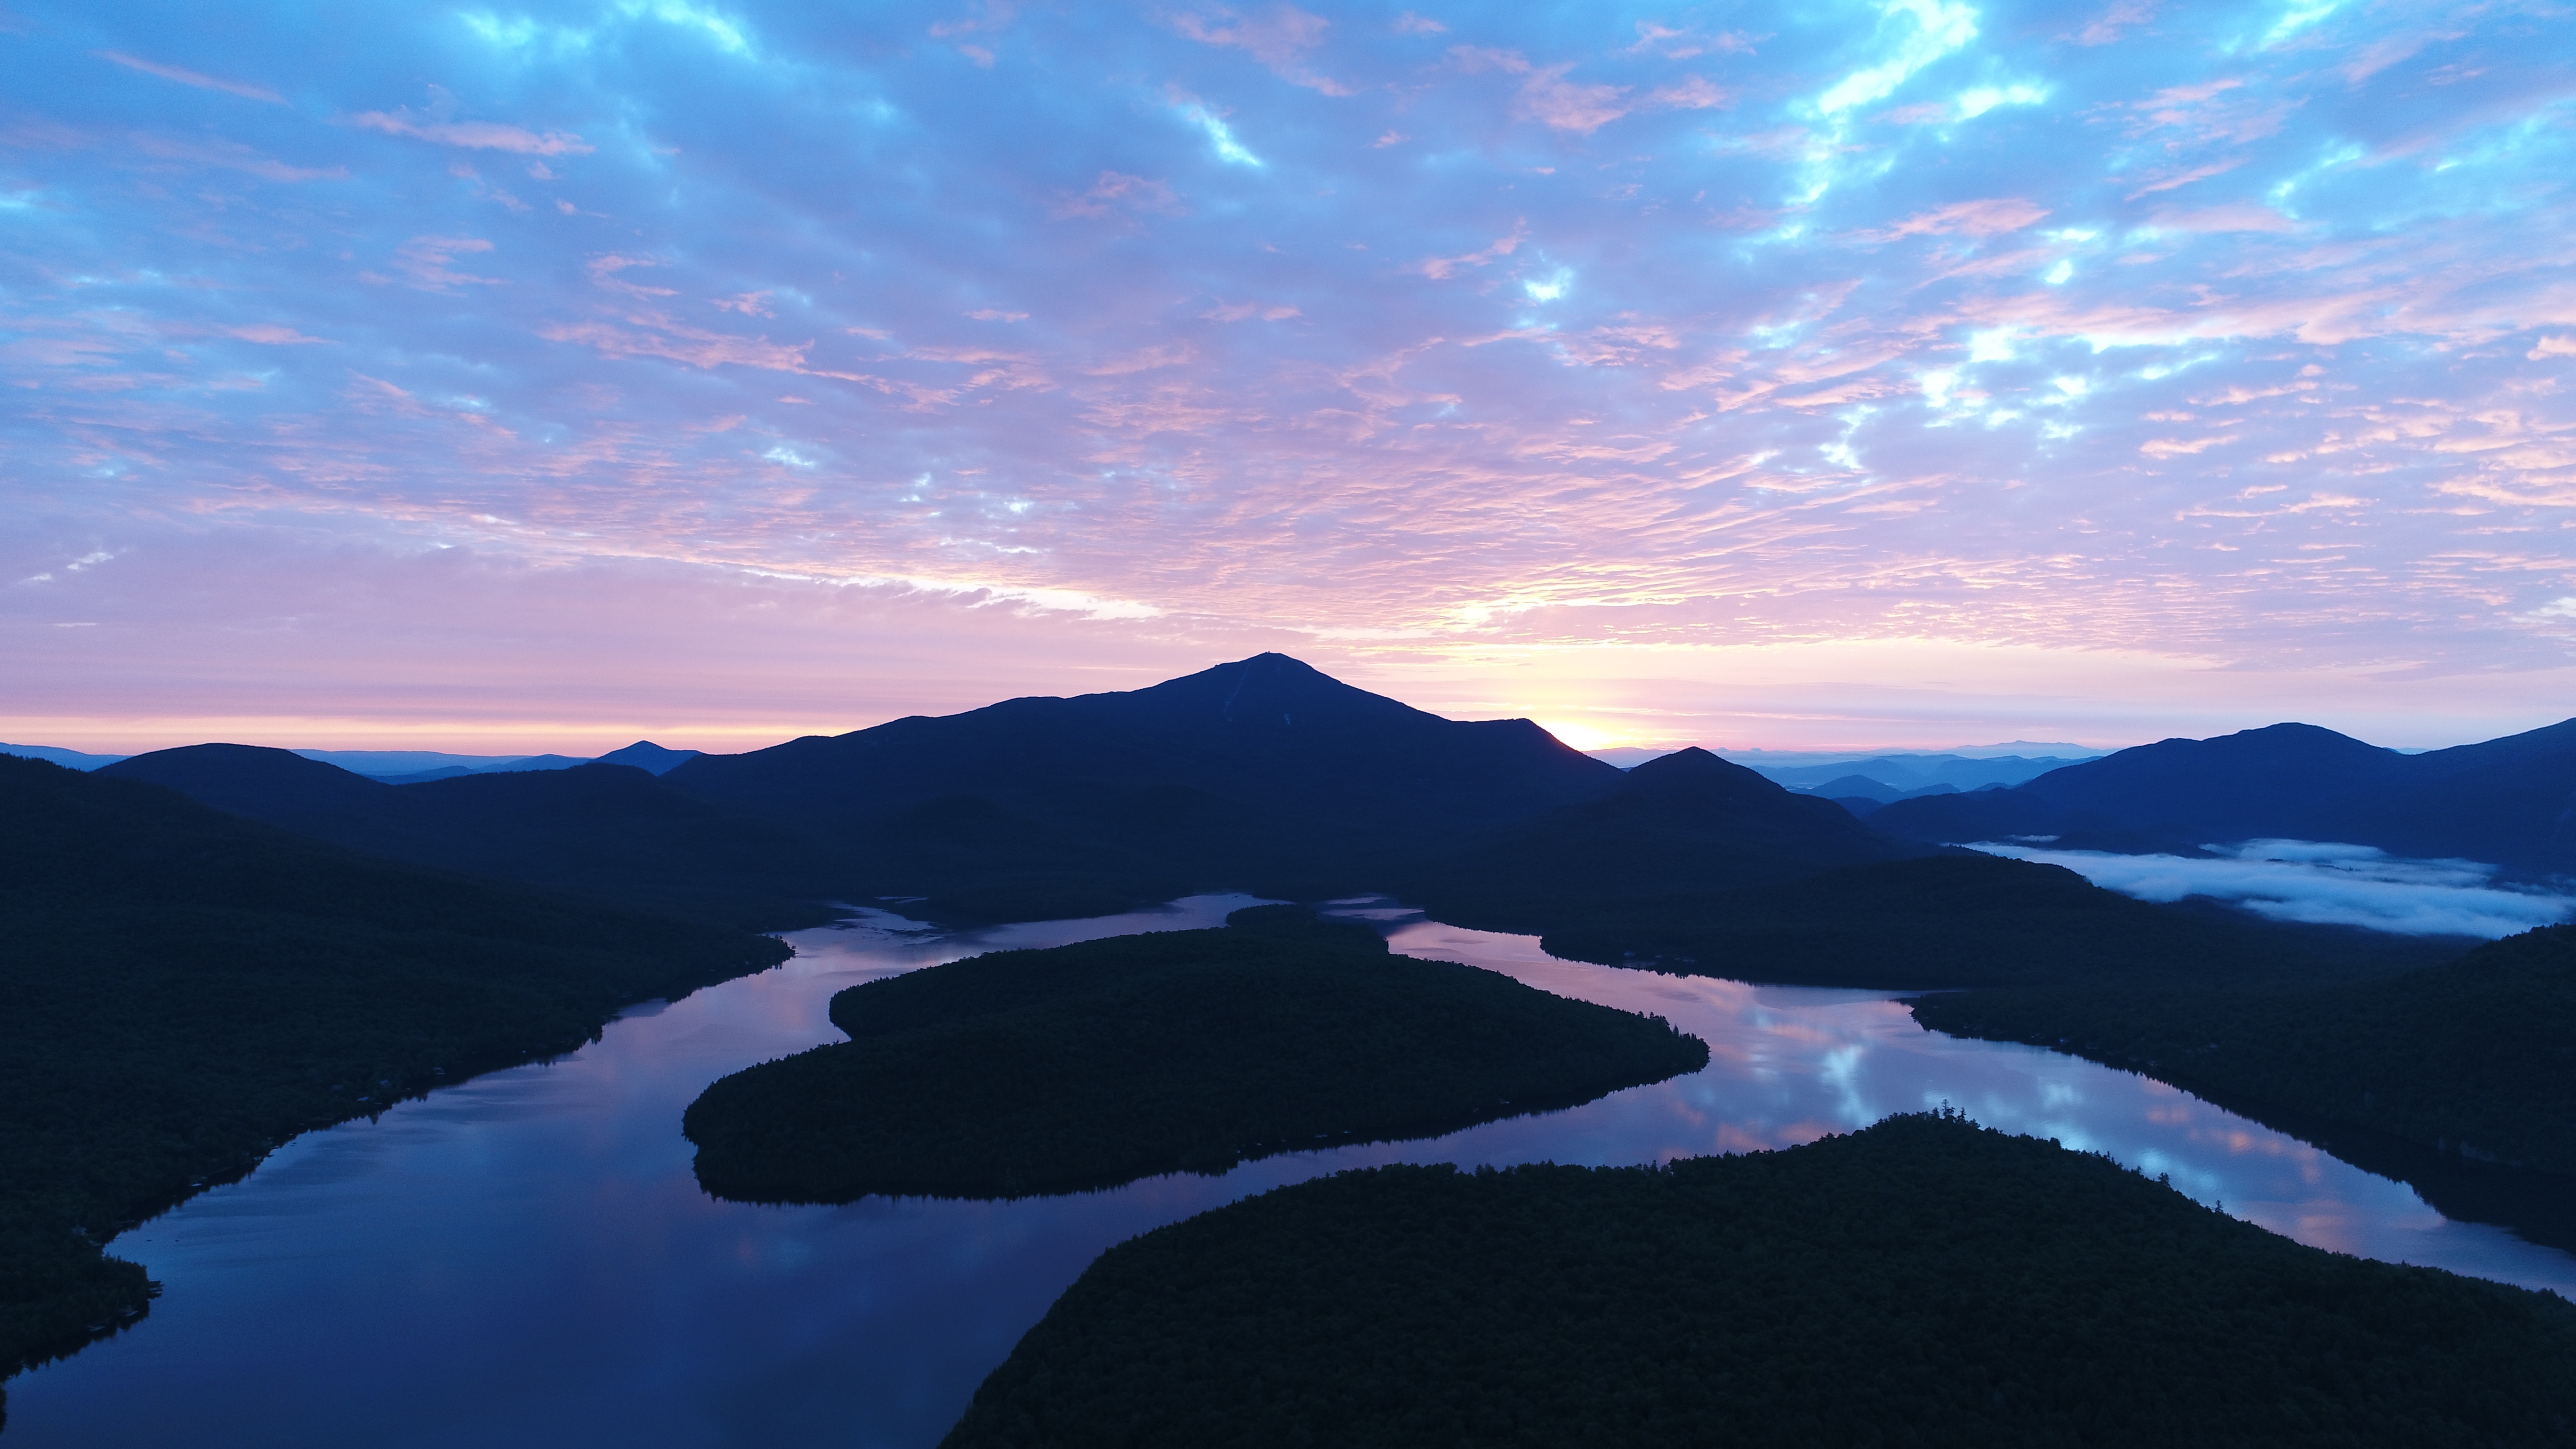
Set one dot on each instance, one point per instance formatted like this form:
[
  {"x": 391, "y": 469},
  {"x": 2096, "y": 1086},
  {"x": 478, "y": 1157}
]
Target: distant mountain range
[
  {"x": 1262, "y": 774},
  {"x": 2509, "y": 802},
  {"x": 407, "y": 767},
  {"x": 1267, "y": 775},
  {"x": 612, "y": 832}
]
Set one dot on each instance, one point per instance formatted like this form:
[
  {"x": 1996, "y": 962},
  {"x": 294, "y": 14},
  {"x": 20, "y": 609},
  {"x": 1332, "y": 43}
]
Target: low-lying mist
[{"x": 2320, "y": 883}]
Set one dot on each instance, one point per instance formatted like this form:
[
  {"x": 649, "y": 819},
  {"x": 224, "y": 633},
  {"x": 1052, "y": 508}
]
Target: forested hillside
[
  {"x": 2474, "y": 1057},
  {"x": 1090, "y": 1065},
  {"x": 186, "y": 990},
  {"x": 1921, "y": 1282}
]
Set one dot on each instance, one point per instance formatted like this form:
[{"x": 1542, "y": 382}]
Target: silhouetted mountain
[
  {"x": 1912, "y": 773},
  {"x": 1867, "y": 788},
  {"x": 53, "y": 754},
  {"x": 279, "y": 787},
  {"x": 1687, "y": 823},
  {"x": 532, "y": 763},
  {"x": 649, "y": 757},
  {"x": 2510, "y": 802},
  {"x": 607, "y": 831},
  {"x": 394, "y": 765},
  {"x": 423, "y": 777},
  {"x": 186, "y": 989},
  {"x": 1260, "y": 774}
]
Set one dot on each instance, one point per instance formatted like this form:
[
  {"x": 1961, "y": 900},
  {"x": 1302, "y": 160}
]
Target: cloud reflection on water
[{"x": 537, "y": 1235}]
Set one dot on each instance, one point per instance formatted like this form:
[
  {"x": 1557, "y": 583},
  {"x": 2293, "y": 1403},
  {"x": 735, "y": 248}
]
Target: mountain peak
[
  {"x": 249, "y": 779},
  {"x": 648, "y": 756},
  {"x": 1695, "y": 768}
]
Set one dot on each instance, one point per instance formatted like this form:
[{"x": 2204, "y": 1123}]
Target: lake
[{"x": 526, "y": 1259}]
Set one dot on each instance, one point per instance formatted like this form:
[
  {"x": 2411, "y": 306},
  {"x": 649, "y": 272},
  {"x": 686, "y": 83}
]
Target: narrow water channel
[{"x": 526, "y": 1259}]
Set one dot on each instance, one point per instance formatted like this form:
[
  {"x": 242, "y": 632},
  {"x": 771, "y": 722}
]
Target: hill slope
[
  {"x": 1091, "y": 1065},
  {"x": 1261, "y": 774},
  {"x": 2475, "y": 1056},
  {"x": 1686, "y": 824},
  {"x": 186, "y": 989},
  {"x": 2509, "y": 802},
  {"x": 609, "y": 831},
  {"x": 1922, "y": 1282}
]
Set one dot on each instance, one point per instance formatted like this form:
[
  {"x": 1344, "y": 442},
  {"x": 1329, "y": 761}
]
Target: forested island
[
  {"x": 1923, "y": 1281},
  {"x": 2475, "y": 1057},
  {"x": 1089, "y": 1065},
  {"x": 187, "y": 989}
]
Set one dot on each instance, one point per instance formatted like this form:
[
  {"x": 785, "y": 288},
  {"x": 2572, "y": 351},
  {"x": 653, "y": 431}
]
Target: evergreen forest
[
  {"x": 1921, "y": 1282},
  {"x": 2474, "y": 1057},
  {"x": 186, "y": 990},
  {"x": 1085, "y": 1066}
]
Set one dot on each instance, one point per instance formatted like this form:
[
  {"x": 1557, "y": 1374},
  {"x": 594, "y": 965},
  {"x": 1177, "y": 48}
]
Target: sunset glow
[{"x": 542, "y": 376}]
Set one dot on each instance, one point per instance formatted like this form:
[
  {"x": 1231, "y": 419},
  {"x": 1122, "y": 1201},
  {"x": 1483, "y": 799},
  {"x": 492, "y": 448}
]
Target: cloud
[
  {"x": 1684, "y": 43},
  {"x": 1443, "y": 268},
  {"x": 1993, "y": 217},
  {"x": 185, "y": 77},
  {"x": 1649, "y": 338},
  {"x": 231, "y": 156},
  {"x": 2122, "y": 16},
  {"x": 270, "y": 334},
  {"x": 2322, "y": 884},
  {"x": 2240, "y": 216},
  {"x": 1116, "y": 192},
  {"x": 1549, "y": 98},
  {"x": 1247, "y": 311},
  {"x": 647, "y": 336},
  {"x": 475, "y": 135},
  {"x": 1278, "y": 37}
]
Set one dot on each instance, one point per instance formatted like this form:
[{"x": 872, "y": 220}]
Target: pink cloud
[
  {"x": 695, "y": 346},
  {"x": 2108, "y": 26},
  {"x": 424, "y": 259},
  {"x": 1545, "y": 95},
  {"x": 475, "y": 135},
  {"x": 604, "y": 272},
  {"x": 1683, "y": 44},
  {"x": 1994, "y": 216},
  {"x": 185, "y": 77},
  {"x": 271, "y": 334},
  {"x": 2171, "y": 180},
  {"x": 232, "y": 156},
  {"x": 1247, "y": 311},
  {"x": 1550, "y": 99},
  {"x": 1443, "y": 268},
  {"x": 1117, "y": 192},
  {"x": 1278, "y": 38},
  {"x": 2235, "y": 216}
]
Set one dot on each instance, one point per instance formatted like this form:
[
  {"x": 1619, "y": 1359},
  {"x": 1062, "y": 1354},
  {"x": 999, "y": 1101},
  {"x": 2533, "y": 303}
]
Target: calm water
[{"x": 525, "y": 1259}]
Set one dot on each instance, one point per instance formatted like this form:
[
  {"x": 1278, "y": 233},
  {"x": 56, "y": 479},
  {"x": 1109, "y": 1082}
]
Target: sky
[{"x": 514, "y": 377}]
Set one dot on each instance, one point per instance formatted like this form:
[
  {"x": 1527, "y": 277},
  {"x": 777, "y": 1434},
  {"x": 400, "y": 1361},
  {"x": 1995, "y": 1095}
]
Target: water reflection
[{"x": 526, "y": 1259}]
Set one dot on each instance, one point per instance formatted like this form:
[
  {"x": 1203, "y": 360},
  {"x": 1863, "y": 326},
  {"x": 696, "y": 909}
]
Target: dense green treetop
[
  {"x": 186, "y": 989},
  {"x": 1089, "y": 1065},
  {"x": 2478, "y": 1054},
  {"x": 1923, "y": 1282}
]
